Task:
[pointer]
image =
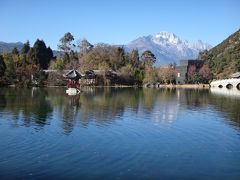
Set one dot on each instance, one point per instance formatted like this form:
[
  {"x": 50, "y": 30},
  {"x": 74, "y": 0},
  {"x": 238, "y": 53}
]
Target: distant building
[
  {"x": 99, "y": 77},
  {"x": 182, "y": 69}
]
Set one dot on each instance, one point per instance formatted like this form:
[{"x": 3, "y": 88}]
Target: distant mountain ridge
[
  {"x": 8, "y": 47},
  {"x": 168, "y": 47}
]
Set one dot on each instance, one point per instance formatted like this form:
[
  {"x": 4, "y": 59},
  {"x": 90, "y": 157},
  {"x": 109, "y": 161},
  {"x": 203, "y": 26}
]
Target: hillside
[{"x": 224, "y": 59}]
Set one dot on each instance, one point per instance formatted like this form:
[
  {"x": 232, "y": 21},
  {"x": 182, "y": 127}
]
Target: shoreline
[{"x": 184, "y": 86}]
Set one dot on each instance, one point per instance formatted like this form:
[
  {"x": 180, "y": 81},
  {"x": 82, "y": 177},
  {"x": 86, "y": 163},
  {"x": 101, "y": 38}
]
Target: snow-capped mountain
[{"x": 167, "y": 47}]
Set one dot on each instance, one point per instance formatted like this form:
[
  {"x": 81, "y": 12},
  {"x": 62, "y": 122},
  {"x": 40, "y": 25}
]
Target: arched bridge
[{"x": 227, "y": 83}]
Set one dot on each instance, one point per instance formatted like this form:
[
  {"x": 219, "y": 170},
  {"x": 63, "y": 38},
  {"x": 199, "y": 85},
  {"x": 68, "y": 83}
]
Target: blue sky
[{"x": 117, "y": 21}]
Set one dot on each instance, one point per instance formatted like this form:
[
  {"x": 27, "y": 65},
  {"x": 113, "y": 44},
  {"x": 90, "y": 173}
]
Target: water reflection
[
  {"x": 2, "y": 101},
  {"x": 28, "y": 105},
  {"x": 228, "y": 104},
  {"x": 231, "y": 93},
  {"x": 103, "y": 106},
  {"x": 118, "y": 134},
  {"x": 166, "y": 105}
]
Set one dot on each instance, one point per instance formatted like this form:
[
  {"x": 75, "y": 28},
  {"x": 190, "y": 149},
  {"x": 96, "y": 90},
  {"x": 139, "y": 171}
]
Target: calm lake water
[{"x": 119, "y": 134}]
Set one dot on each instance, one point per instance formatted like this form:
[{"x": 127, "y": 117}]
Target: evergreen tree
[
  {"x": 40, "y": 54},
  {"x": 2, "y": 66},
  {"x": 10, "y": 72},
  {"x": 31, "y": 56},
  {"x": 224, "y": 58},
  {"x": 15, "y": 51},
  {"x": 148, "y": 58},
  {"x": 26, "y": 48},
  {"x": 49, "y": 53}
]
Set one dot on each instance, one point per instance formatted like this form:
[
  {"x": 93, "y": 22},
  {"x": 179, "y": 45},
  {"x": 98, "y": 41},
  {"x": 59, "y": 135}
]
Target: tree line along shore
[{"x": 112, "y": 66}]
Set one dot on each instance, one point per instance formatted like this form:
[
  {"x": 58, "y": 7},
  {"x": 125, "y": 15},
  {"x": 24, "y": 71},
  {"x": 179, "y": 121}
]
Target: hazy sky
[{"x": 117, "y": 21}]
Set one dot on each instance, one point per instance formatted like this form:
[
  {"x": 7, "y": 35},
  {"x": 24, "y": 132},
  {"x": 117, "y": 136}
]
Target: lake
[{"x": 119, "y": 133}]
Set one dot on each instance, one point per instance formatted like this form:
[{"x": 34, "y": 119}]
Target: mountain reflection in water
[
  {"x": 103, "y": 106},
  {"x": 118, "y": 133}
]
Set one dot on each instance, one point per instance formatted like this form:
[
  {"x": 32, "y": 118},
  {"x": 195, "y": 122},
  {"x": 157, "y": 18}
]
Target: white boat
[{"x": 72, "y": 91}]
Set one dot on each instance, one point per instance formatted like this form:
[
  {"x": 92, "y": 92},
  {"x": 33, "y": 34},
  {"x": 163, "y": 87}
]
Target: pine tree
[
  {"x": 40, "y": 54},
  {"x": 26, "y": 48},
  {"x": 148, "y": 58},
  {"x": 2, "y": 66},
  {"x": 15, "y": 51}
]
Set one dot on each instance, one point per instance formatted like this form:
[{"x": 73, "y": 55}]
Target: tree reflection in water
[
  {"x": 28, "y": 105},
  {"x": 70, "y": 113},
  {"x": 103, "y": 106},
  {"x": 230, "y": 105}
]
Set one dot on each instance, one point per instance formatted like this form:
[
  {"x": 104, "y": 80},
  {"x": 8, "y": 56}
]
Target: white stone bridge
[{"x": 233, "y": 83}]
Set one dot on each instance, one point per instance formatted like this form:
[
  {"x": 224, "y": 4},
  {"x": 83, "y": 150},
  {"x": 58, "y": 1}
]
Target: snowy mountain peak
[
  {"x": 168, "y": 47},
  {"x": 166, "y": 37},
  {"x": 201, "y": 45}
]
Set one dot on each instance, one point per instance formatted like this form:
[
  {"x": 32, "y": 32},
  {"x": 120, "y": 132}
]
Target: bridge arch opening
[
  {"x": 220, "y": 86},
  {"x": 229, "y": 86},
  {"x": 238, "y": 86}
]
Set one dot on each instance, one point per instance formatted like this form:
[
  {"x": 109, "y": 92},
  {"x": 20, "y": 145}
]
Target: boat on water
[
  {"x": 73, "y": 91},
  {"x": 73, "y": 77}
]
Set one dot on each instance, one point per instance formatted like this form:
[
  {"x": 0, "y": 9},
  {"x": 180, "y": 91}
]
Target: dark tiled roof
[{"x": 73, "y": 74}]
